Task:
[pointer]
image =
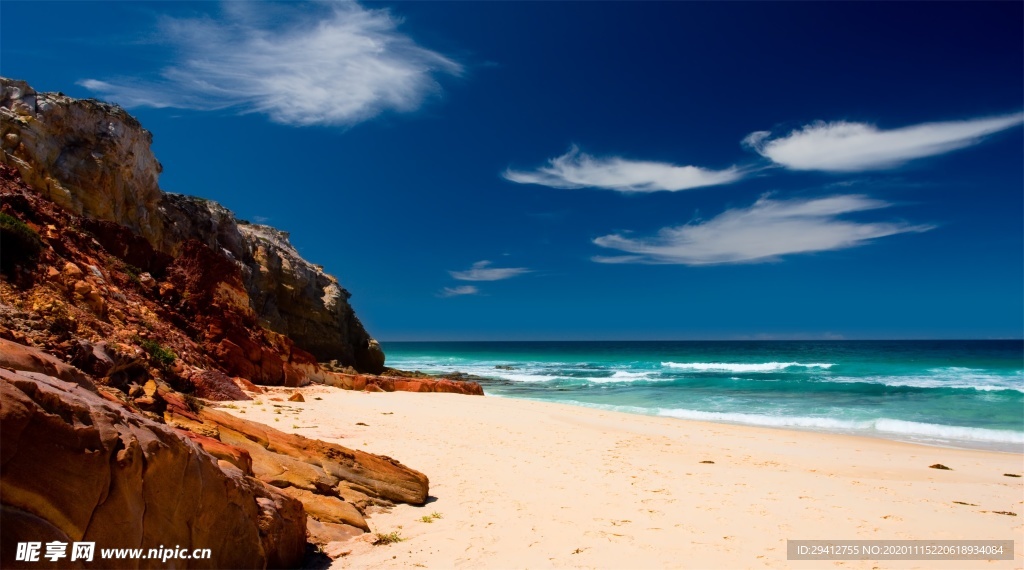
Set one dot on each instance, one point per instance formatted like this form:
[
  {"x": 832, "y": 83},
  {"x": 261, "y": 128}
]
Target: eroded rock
[{"x": 96, "y": 471}]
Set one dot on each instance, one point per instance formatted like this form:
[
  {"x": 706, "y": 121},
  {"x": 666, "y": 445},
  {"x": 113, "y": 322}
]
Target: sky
[{"x": 576, "y": 170}]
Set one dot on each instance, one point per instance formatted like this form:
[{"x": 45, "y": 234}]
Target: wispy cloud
[
  {"x": 457, "y": 291},
  {"x": 853, "y": 147},
  {"x": 326, "y": 63},
  {"x": 482, "y": 271},
  {"x": 576, "y": 169},
  {"x": 766, "y": 231}
]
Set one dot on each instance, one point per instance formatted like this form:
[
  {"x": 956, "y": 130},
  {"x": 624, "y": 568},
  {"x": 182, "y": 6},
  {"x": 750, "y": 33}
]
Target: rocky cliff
[
  {"x": 94, "y": 160},
  {"x": 123, "y": 312}
]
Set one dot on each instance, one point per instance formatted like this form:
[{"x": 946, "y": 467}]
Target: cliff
[
  {"x": 94, "y": 160},
  {"x": 126, "y": 314}
]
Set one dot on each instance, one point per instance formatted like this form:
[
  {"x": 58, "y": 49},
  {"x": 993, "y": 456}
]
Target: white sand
[{"x": 523, "y": 484}]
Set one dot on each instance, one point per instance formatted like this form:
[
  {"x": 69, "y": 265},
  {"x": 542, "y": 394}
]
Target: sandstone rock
[
  {"x": 97, "y": 472},
  {"x": 412, "y": 386},
  {"x": 328, "y": 509},
  {"x": 72, "y": 272},
  {"x": 22, "y": 526},
  {"x": 27, "y": 359},
  {"x": 296, "y": 397},
  {"x": 236, "y": 456},
  {"x": 96, "y": 359},
  {"x": 292, "y": 460},
  {"x": 214, "y": 385},
  {"x": 247, "y": 385},
  {"x": 324, "y": 533},
  {"x": 470, "y": 388},
  {"x": 58, "y": 142},
  {"x": 370, "y": 358}
]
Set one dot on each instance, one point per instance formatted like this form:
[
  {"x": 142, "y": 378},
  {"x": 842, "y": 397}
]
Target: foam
[
  {"x": 980, "y": 382},
  {"x": 948, "y": 432},
  {"x": 743, "y": 367},
  {"x": 883, "y": 425}
]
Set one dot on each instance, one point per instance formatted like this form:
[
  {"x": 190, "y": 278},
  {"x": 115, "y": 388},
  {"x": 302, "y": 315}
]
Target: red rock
[
  {"x": 470, "y": 388},
  {"x": 97, "y": 472},
  {"x": 296, "y": 397},
  {"x": 236, "y": 456},
  {"x": 215, "y": 385},
  {"x": 412, "y": 386},
  {"x": 322, "y": 533},
  {"x": 247, "y": 385},
  {"x": 284, "y": 459},
  {"x": 328, "y": 509},
  {"x": 27, "y": 359},
  {"x": 386, "y": 383}
]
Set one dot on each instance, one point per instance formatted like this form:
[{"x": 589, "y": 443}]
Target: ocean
[{"x": 966, "y": 394}]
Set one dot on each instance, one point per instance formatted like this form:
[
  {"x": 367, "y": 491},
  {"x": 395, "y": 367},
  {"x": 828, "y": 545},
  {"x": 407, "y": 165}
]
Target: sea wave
[
  {"x": 948, "y": 432},
  {"x": 744, "y": 367},
  {"x": 884, "y": 425},
  {"x": 979, "y": 382}
]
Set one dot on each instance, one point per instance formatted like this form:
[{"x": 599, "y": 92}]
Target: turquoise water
[{"x": 952, "y": 393}]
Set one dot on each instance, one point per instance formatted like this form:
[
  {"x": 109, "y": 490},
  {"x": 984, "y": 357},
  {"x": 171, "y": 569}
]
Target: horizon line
[{"x": 864, "y": 339}]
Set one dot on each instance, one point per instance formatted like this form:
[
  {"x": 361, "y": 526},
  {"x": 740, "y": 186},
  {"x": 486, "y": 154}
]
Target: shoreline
[
  {"x": 982, "y": 445},
  {"x": 526, "y": 484}
]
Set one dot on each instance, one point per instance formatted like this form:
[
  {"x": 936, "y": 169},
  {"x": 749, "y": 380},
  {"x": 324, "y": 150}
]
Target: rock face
[
  {"x": 95, "y": 160},
  {"x": 89, "y": 157},
  {"x": 82, "y": 468}
]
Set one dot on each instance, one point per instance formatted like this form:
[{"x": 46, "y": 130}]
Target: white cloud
[
  {"x": 482, "y": 271},
  {"x": 854, "y": 147},
  {"x": 576, "y": 169},
  {"x": 766, "y": 231},
  {"x": 326, "y": 63},
  {"x": 457, "y": 291}
]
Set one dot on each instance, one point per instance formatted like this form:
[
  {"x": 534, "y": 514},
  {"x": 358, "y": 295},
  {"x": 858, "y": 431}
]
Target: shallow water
[{"x": 955, "y": 393}]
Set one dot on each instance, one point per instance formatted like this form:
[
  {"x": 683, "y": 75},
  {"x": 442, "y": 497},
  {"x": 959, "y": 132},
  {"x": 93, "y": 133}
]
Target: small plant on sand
[
  {"x": 431, "y": 517},
  {"x": 257, "y": 402},
  {"x": 388, "y": 538}
]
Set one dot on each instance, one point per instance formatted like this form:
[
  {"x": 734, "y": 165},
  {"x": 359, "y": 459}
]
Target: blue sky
[{"x": 591, "y": 170}]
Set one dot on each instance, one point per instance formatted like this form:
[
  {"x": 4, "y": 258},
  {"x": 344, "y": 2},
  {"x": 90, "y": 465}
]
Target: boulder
[
  {"x": 328, "y": 509},
  {"x": 289, "y": 460},
  {"x": 215, "y": 385},
  {"x": 95, "y": 471},
  {"x": 14, "y": 356}
]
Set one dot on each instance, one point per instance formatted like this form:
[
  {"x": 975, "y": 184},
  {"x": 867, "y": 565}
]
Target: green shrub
[
  {"x": 162, "y": 357},
  {"x": 19, "y": 244}
]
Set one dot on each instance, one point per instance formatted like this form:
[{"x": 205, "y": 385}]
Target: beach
[{"x": 525, "y": 484}]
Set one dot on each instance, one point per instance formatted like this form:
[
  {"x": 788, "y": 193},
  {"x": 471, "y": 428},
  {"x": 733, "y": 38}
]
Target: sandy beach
[{"x": 522, "y": 484}]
